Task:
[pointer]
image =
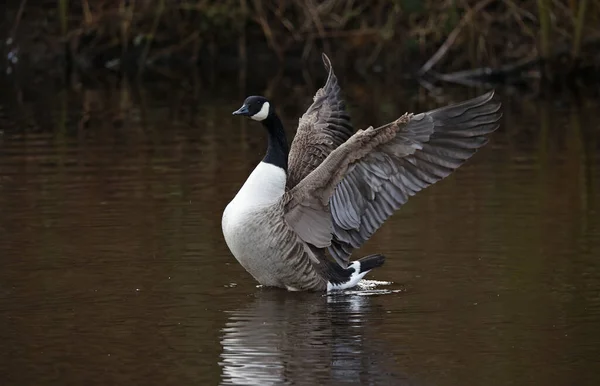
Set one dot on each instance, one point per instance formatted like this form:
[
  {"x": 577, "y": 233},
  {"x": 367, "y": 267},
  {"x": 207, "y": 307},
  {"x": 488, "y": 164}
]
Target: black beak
[{"x": 242, "y": 111}]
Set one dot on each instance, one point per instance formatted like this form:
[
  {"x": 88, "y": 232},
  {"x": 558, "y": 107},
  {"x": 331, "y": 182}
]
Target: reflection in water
[
  {"x": 113, "y": 269},
  {"x": 305, "y": 339}
]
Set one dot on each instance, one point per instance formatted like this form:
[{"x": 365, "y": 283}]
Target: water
[{"x": 114, "y": 269}]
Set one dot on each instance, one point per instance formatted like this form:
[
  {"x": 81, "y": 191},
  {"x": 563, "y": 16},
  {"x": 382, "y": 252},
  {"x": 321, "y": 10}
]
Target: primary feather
[{"x": 322, "y": 128}]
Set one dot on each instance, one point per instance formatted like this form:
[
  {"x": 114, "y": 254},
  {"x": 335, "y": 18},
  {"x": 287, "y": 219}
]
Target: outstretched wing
[
  {"x": 368, "y": 178},
  {"x": 322, "y": 128}
]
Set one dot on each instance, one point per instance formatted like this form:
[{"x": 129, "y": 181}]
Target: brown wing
[
  {"x": 367, "y": 179},
  {"x": 322, "y": 128}
]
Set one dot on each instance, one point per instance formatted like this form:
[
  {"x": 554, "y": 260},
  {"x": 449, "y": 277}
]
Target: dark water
[{"x": 113, "y": 269}]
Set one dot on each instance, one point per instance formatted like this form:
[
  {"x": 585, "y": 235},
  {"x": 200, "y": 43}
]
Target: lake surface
[{"x": 113, "y": 268}]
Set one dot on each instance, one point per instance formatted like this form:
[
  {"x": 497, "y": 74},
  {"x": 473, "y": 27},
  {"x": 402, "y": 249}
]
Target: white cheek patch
[{"x": 263, "y": 113}]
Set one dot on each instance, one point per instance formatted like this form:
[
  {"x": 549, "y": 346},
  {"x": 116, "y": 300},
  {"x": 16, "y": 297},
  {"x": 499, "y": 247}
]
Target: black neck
[{"x": 277, "y": 151}]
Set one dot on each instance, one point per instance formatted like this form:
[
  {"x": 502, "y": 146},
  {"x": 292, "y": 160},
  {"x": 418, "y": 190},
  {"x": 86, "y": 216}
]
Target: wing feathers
[
  {"x": 429, "y": 148},
  {"x": 458, "y": 109},
  {"x": 342, "y": 187},
  {"x": 325, "y": 126}
]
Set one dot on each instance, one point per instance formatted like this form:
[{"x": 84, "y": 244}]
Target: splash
[{"x": 369, "y": 288}]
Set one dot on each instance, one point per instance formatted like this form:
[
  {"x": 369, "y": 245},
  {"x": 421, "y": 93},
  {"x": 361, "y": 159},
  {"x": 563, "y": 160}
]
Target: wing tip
[
  {"x": 326, "y": 61},
  {"x": 482, "y": 99},
  {"x": 331, "y": 78}
]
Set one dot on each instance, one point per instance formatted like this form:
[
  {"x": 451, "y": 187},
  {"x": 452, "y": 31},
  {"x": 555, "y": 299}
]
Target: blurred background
[
  {"x": 452, "y": 40},
  {"x": 118, "y": 154}
]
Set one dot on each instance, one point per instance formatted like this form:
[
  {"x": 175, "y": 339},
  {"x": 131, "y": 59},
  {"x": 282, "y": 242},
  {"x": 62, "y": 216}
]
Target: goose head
[{"x": 255, "y": 107}]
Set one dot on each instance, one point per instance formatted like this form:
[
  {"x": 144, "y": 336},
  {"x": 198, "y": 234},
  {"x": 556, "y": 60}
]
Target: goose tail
[
  {"x": 370, "y": 262},
  {"x": 355, "y": 272}
]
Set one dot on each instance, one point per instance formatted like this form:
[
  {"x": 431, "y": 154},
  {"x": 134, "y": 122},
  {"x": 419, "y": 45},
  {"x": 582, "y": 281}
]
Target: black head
[{"x": 255, "y": 107}]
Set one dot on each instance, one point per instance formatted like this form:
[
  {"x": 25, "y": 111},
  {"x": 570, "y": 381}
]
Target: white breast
[
  {"x": 247, "y": 221},
  {"x": 263, "y": 188}
]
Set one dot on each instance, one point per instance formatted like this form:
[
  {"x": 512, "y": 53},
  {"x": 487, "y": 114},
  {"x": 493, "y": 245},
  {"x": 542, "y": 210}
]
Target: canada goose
[{"x": 335, "y": 187}]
